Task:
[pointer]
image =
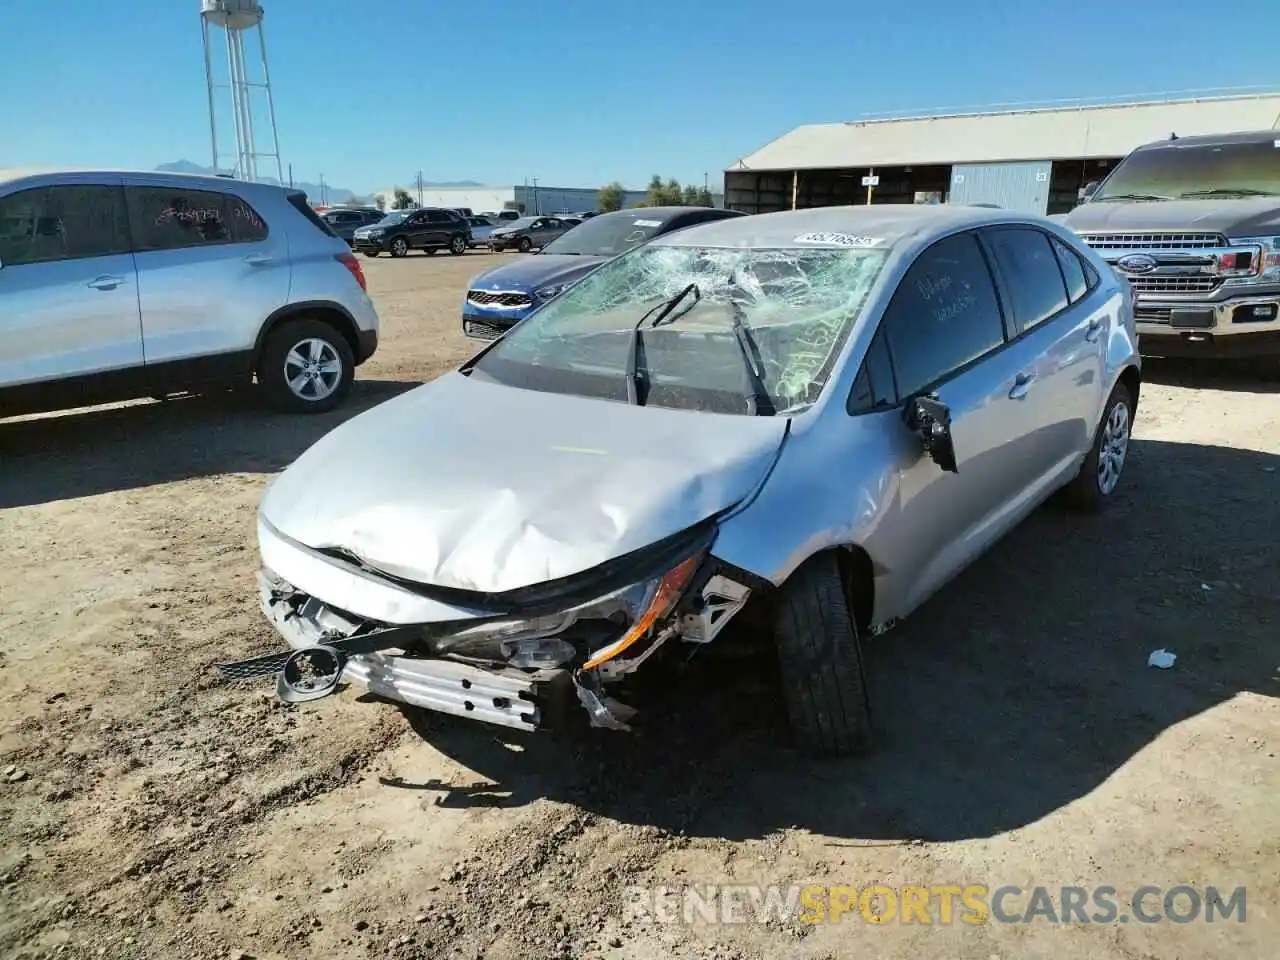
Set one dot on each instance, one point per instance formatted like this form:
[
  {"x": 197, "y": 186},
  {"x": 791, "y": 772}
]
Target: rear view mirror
[{"x": 930, "y": 419}]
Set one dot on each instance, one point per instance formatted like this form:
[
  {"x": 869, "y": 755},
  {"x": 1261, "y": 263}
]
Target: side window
[
  {"x": 1072, "y": 271},
  {"x": 944, "y": 314},
  {"x": 1031, "y": 274},
  {"x": 439, "y": 216},
  {"x": 62, "y": 223},
  {"x": 169, "y": 218},
  {"x": 874, "y": 388}
]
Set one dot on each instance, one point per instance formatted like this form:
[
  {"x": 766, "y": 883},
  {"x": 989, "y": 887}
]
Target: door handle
[
  {"x": 1021, "y": 384},
  {"x": 257, "y": 259},
  {"x": 1094, "y": 331},
  {"x": 106, "y": 282}
]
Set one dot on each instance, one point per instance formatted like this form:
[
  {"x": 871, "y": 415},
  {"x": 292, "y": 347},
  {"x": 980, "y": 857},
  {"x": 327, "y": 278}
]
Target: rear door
[
  {"x": 68, "y": 286},
  {"x": 1062, "y": 383},
  {"x": 210, "y": 271},
  {"x": 945, "y": 333}
]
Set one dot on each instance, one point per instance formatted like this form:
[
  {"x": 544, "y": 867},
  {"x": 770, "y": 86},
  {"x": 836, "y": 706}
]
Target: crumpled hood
[
  {"x": 478, "y": 486},
  {"x": 1251, "y": 217},
  {"x": 536, "y": 271}
]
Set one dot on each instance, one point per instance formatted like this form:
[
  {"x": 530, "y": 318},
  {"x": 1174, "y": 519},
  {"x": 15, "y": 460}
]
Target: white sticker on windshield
[
  {"x": 838, "y": 239},
  {"x": 648, "y": 223}
]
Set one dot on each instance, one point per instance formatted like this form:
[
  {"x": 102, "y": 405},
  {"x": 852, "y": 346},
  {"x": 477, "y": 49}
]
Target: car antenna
[{"x": 1173, "y": 136}]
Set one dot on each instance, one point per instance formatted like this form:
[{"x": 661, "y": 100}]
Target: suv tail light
[{"x": 352, "y": 264}]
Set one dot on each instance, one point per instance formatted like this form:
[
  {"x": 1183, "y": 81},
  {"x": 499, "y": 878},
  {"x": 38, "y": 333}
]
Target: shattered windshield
[{"x": 797, "y": 304}]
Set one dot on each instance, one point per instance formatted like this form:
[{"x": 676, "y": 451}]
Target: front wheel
[
  {"x": 371, "y": 253},
  {"x": 525, "y": 245},
  {"x": 1099, "y": 475},
  {"x": 399, "y": 247},
  {"x": 820, "y": 662},
  {"x": 306, "y": 366},
  {"x": 458, "y": 245}
]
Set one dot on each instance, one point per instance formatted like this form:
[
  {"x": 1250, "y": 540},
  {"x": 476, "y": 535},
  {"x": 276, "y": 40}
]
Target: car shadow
[
  {"x": 102, "y": 449},
  {"x": 1232, "y": 376},
  {"x": 1019, "y": 688}
]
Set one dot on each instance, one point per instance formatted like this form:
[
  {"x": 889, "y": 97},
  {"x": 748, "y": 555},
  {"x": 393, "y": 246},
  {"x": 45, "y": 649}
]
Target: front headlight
[
  {"x": 554, "y": 290},
  {"x": 1259, "y": 265},
  {"x": 375, "y": 233},
  {"x": 661, "y": 600}
]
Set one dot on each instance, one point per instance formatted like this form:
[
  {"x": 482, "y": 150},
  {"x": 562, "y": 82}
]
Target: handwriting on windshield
[
  {"x": 946, "y": 298},
  {"x": 206, "y": 215}
]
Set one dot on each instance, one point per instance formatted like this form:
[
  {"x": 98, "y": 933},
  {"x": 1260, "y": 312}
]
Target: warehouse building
[
  {"x": 1030, "y": 160},
  {"x": 530, "y": 199}
]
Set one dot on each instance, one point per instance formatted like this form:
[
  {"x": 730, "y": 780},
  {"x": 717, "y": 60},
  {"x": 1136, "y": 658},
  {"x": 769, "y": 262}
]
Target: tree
[
  {"x": 656, "y": 195},
  {"x": 703, "y": 198},
  {"x": 672, "y": 194},
  {"x": 403, "y": 200},
  {"x": 690, "y": 196},
  {"x": 380, "y": 201},
  {"x": 610, "y": 197}
]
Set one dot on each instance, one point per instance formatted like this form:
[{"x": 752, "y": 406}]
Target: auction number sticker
[
  {"x": 648, "y": 223},
  {"x": 838, "y": 239}
]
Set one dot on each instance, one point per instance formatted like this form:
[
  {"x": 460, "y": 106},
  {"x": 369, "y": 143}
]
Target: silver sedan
[{"x": 823, "y": 414}]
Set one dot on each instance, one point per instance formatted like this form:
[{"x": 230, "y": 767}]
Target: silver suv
[{"x": 115, "y": 286}]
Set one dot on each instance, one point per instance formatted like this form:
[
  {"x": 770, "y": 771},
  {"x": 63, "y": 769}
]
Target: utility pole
[
  {"x": 323, "y": 197},
  {"x": 291, "y": 176},
  {"x": 537, "y": 209},
  {"x": 419, "y": 188}
]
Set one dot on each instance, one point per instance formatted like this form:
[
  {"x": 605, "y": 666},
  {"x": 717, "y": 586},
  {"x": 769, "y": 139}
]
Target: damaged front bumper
[{"x": 542, "y": 655}]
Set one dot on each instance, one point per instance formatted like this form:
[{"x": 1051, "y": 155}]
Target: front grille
[
  {"x": 483, "y": 330},
  {"x": 1155, "y": 285},
  {"x": 488, "y": 298},
  {"x": 1153, "y": 241},
  {"x": 1153, "y": 314}
]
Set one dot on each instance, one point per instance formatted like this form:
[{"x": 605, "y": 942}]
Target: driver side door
[{"x": 944, "y": 334}]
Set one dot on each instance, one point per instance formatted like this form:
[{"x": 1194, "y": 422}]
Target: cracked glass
[{"x": 799, "y": 305}]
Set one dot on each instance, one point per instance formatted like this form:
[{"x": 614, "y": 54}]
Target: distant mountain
[{"x": 334, "y": 194}]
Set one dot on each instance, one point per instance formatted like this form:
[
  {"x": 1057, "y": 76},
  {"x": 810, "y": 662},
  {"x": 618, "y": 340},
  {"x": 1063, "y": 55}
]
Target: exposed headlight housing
[{"x": 662, "y": 598}]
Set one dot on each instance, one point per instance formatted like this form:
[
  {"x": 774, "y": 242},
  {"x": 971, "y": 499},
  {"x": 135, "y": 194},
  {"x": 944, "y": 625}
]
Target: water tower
[{"x": 257, "y": 144}]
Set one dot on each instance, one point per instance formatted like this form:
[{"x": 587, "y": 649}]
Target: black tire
[
  {"x": 372, "y": 253},
  {"x": 524, "y": 245},
  {"x": 399, "y": 247},
  {"x": 430, "y": 251},
  {"x": 458, "y": 245},
  {"x": 1087, "y": 492},
  {"x": 820, "y": 662},
  {"x": 272, "y": 376}
]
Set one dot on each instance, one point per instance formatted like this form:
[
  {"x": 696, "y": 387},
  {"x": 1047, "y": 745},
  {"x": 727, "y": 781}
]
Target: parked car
[
  {"x": 481, "y": 227},
  {"x": 527, "y": 233},
  {"x": 507, "y": 215},
  {"x": 1194, "y": 223},
  {"x": 115, "y": 286},
  {"x": 346, "y": 221},
  {"x": 428, "y": 229},
  {"x": 819, "y": 415},
  {"x": 500, "y": 298}
]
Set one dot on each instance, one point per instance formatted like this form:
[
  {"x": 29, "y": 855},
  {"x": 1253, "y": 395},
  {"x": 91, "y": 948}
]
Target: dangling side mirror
[{"x": 930, "y": 419}]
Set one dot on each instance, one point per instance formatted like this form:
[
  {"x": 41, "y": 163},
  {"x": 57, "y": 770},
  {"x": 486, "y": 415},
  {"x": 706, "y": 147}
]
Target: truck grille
[
  {"x": 1153, "y": 241},
  {"x": 1153, "y": 314},
  {"x": 1183, "y": 284},
  {"x": 489, "y": 298}
]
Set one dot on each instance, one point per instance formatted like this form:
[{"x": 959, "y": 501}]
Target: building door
[{"x": 1021, "y": 187}]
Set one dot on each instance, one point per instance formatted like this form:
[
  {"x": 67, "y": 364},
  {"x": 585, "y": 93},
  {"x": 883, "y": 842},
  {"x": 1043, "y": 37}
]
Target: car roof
[
  {"x": 1215, "y": 139},
  {"x": 886, "y": 224},
  {"x": 191, "y": 179}
]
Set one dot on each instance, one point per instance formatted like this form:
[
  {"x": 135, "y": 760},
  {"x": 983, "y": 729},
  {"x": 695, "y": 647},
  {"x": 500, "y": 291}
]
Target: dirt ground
[{"x": 149, "y": 810}]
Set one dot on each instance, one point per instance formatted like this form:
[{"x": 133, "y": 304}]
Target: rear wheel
[
  {"x": 458, "y": 245},
  {"x": 820, "y": 662},
  {"x": 306, "y": 366},
  {"x": 1099, "y": 475},
  {"x": 399, "y": 247}
]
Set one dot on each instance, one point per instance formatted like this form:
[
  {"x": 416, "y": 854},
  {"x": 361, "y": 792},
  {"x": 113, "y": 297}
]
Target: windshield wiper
[
  {"x": 1229, "y": 192},
  {"x": 759, "y": 403},
  {"x": 663, "y": 310},
  {"x": 1130, "y": 196}
]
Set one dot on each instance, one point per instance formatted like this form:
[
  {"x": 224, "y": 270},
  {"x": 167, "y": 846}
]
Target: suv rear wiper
[
  {"x": 759, "y": 403},
  {"x": 663, "y": 310},
  {"x": 1229, "y": 192},
  {"x": 1130, "y": 196}
]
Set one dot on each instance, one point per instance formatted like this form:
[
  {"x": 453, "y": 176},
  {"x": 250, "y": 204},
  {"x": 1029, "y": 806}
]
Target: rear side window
[
  {"x": 172, "y": 218},
  {"x": 943, "y": 315},
  {"x": 298, "y": 200},
  {"x": 1031, "y": 274},
  {"x": 62, "y": 223},
  {"x": 1073, "y": 271}
]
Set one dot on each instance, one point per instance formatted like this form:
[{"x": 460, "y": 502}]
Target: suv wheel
[
  {"x": 525, "y": 245},
  {"x": 306, "y": 366},
  {"x": 820, "y": 662},
  {"x": 399, "y": 247},
  {"x": 1100, "y": 473},
  {"x": 458, "y": 245},
  {"x": 372, "y": 253}
]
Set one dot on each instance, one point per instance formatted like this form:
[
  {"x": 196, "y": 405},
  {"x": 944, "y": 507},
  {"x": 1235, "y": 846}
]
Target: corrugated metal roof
[{"x": 1057, "y": 133}]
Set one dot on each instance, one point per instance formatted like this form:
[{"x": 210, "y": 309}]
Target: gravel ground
[{"x": 147, "y": 810}]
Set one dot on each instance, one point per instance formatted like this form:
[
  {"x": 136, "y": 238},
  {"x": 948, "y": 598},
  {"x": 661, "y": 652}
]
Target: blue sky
[{"x": 580, "y": 92}]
